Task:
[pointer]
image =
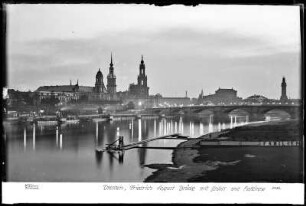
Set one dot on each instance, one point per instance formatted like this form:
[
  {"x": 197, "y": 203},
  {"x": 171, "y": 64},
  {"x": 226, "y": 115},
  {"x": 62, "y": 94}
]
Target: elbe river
[{"x": 67, "y": 153}]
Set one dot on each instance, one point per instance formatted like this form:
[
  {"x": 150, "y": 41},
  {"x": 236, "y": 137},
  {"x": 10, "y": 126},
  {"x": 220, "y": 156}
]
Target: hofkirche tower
[{"x": 111, "y": 79}]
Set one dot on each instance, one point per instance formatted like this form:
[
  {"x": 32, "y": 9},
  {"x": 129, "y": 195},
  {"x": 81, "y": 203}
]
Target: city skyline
[{"x": 197, "y": 52}]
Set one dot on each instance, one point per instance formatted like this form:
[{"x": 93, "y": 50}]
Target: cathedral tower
[
  {"x": 284, "y": 97},
  {"x": 111, "y": 79}
]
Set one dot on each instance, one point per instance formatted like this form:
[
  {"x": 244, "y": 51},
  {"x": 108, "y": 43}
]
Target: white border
[{"x": 279, "y": 193}]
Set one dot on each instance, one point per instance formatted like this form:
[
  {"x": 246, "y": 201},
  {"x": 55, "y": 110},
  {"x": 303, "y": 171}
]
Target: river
[{"x": 49, "y": 153}]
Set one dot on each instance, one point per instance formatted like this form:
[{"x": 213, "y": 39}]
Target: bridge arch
[
  {"x": 205, "y": 112},
  {"x": 277, "y": 114},
  {"x": 233, "y": 110},
  {"x": 238, "y": 112}
]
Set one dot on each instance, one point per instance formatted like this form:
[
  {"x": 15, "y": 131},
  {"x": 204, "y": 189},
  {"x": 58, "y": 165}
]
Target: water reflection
[
  {"x": 80, "y": 141},
  {"x": 34, "y": 137},
  {"x": 121, "y": 156},
  {"x": 155, "y": 128},
  {"x": 139, "y": 130},
  {"x": 61, "y": 141},
  {"x": 132, "y": 129},
  {"x": 56, "y": 137},
  {"x": 24, "y": 138},
  {"x": 99, "y": 156},
  {"x": 97, "y": 131}
]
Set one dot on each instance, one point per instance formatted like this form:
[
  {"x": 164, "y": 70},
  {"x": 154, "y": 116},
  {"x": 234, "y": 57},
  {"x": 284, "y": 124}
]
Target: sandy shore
[{"x": 199, "y": 163}]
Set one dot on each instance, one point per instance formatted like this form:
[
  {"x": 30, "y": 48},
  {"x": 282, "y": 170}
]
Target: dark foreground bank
[{"x": 238, "y": 164}]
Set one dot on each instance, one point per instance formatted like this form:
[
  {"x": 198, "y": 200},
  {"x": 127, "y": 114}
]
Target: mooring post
[{"x": 121, "y": 143}]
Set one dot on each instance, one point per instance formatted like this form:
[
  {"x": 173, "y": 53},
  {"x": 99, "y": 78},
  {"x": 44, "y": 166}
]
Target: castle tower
[
  {"x": 111, "y": 78},
  {"x": 284, "y": 97},
  {"x": 99, "y": 85},
  {"x": 142, "y": 77}
]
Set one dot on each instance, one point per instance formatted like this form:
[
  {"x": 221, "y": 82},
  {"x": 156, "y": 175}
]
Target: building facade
[
  {"x": 221, "y": 97},
  {"x": 64, "y": 93}
]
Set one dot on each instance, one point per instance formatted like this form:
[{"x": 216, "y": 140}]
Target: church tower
[
  {"x": 142, "y": 77},
  {"x": 284, "y": 97},
  {"x": 99, "y": 86},
  {"x": 141, "y": 89},
  {"x": 111, "y": 79},
  {"x": 142, "y": 80}
]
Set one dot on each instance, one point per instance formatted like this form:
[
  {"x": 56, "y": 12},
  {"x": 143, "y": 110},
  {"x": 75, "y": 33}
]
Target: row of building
[
  {"x": 138, "y": 93},
  {"x": 99, "y": 93}
]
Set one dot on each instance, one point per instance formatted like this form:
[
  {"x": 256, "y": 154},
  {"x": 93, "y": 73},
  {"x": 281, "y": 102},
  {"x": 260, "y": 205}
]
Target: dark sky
[{"x": 249, "y": 48}]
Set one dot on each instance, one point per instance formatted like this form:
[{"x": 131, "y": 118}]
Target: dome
[
  {"x": 257, "y": 97},
  {"x": 99, "y": 74}
]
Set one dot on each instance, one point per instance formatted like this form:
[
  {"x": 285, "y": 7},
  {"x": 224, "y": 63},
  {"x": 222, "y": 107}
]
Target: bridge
[{"x": 254, "y": 112}]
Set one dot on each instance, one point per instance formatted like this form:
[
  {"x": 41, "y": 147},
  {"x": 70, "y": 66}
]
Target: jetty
[{"x": 120, "y": 146}]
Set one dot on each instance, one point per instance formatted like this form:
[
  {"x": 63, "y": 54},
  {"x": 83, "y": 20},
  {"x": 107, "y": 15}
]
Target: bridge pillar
[{"x": 231, "y": 124}]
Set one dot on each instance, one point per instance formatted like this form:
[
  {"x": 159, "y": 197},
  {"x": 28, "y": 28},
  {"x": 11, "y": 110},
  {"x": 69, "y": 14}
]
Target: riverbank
[{"x": 232, "y": 164}]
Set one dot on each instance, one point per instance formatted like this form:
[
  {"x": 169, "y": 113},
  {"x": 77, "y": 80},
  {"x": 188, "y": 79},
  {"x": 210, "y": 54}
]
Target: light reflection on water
[{"x": 67, "y": 152}]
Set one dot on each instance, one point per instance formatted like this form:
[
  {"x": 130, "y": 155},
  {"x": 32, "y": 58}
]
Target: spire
[
  {"x": 111, "y": 59},
  {"x": 70, "y": 82},
  {"x": 142, "y": 59},
  {"x": 77, "y": 82}
]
